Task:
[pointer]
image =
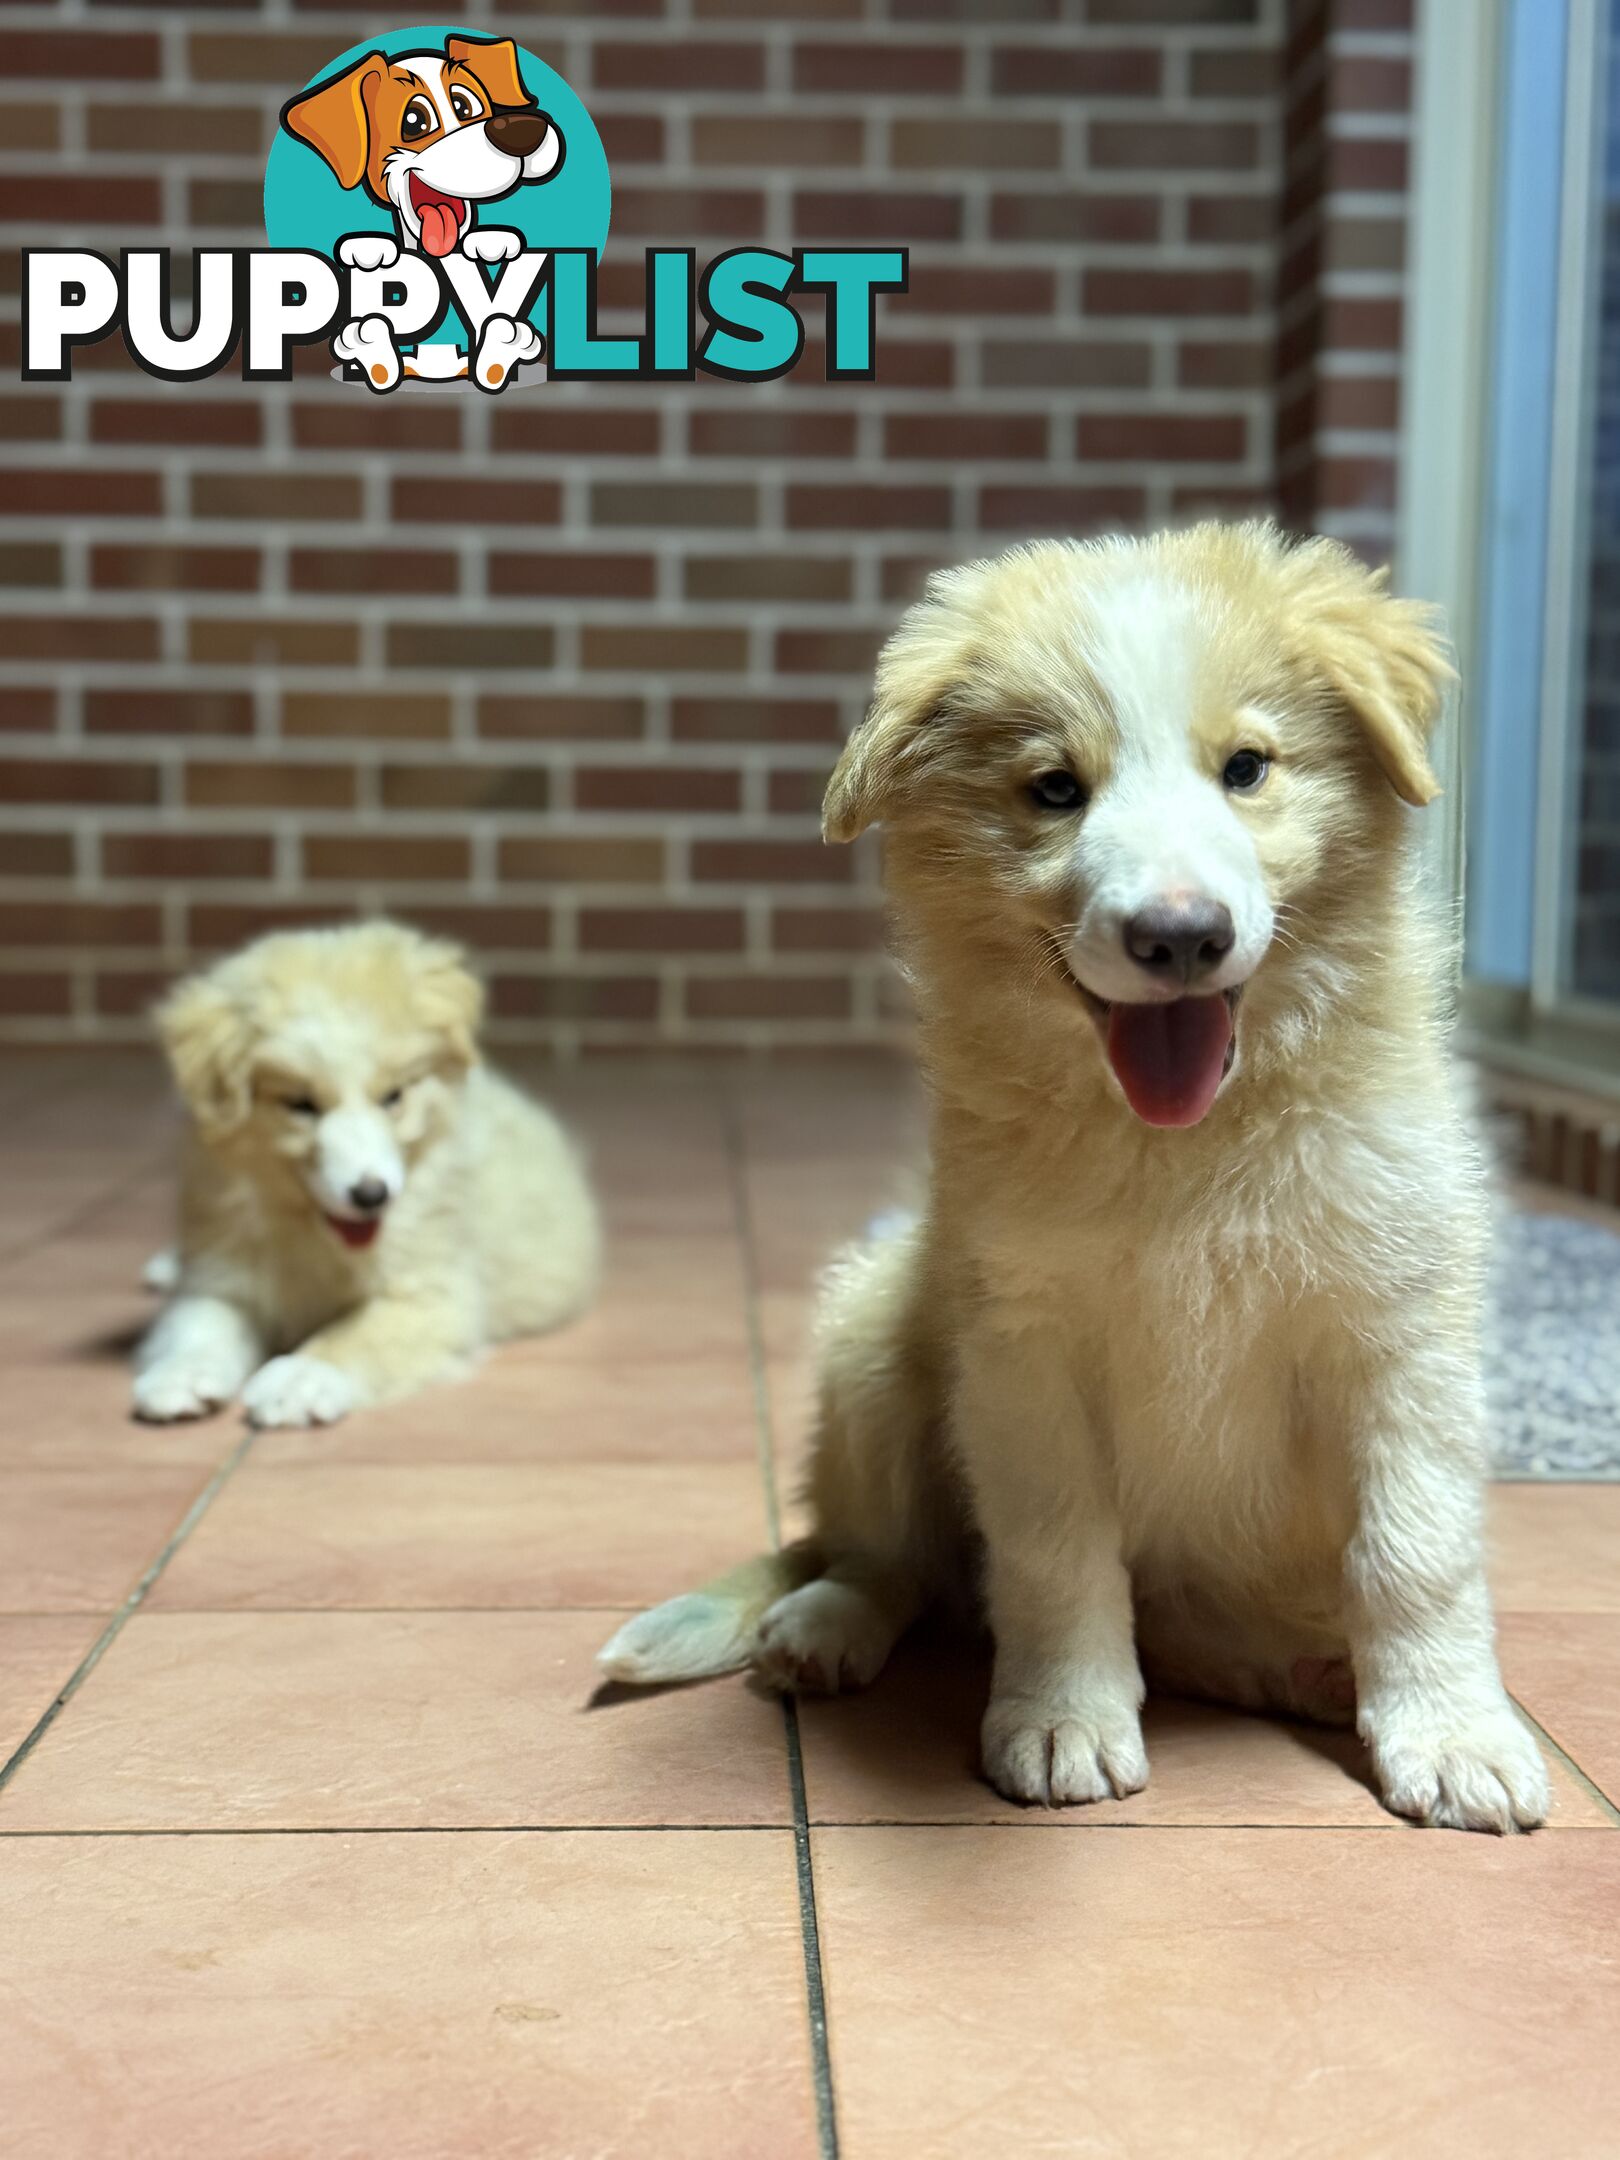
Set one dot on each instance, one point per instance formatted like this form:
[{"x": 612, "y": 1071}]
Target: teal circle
[{"x": 304, "y": 207}]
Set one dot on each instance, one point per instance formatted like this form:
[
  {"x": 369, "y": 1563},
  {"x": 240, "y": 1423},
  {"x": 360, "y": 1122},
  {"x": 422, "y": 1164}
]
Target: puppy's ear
[
  {"x": 495, "y": 62},
  {"x": 450, "y": 998},
  {"x": 1385, "y": 659},
  {"x": 335, "y": 118},
  {"x": 210, "y": 1050},
  {"x": 916, "y": 671}
]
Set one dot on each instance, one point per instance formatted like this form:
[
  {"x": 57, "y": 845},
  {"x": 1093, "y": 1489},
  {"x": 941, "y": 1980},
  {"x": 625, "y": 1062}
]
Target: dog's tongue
[
  {"x": 356, "y": 1233},
  {"x": 440, "y": 225},
  {"x": 1169, "y": 1059}
]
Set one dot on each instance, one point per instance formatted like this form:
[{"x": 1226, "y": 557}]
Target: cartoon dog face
[{"x": 430, "y": 134}]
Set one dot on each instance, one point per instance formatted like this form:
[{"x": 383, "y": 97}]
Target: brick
[
  {"x": 769, "y": 862},
  {"x": 867, "y": 68},
  {"x": 1235, "y": 71},
  {"x": 78, "y": 637},
  {"x": 688, "y": 213},
  {"x": 672, "y": 929},
  {"x": 236, "y": 56},
  {"x": 386, "y": 858},
  {"x": 768, "y": 997},
  {"x": 826, "y": 929},
  {"x": 1172, "y": 12},
  {"x": 1359, "y": 401},
  {"x": 36, "y": 854},
  {"x": 630, "y": 138},
  {"x": 663, "y": 788},
  {"x": 398, "y": 423},
  {"x": 25, "y": 707},
  {"x": 186, "y": 855},
  {"x": 678, "y": 64},
  {"x": 1167, "y": 292},
  {"x": 465, "y": 786},
  {"x": 703, "y": 503},
  {"x": 498, "y": 927},
  {"x": 25, "y": 923},
  {"x": 663, "y": 649},
  {"x": 1073, "y": 219},
  {"x": 301, "y": 495},
  {"x": 35, "y": 996},
  {"x": 952, "y": 144},
  {"x": 126, "y": 994},
  {"x": 268, "y": 641},
  {"x": 1224, "y": 364},
  {"x": 260, "y": 785},
  {"x": 1066, "y": 364},
  {"x": 866, "y": 508},
  {"x": 30, "y": 417},
  {"x": 795, "y": 794},
  {"x": 1143, "y": 145},
  {"x": 976, "y": 290},
  {"x": 190, "y": 420},
  {"x": 470, "y": 645},
  {"x": 174, "y": 569},
  {"x": 574, "y": 575},
  {"x": 574, "y": 997},
  {"x": 372, "y": 570},
  {"x": 1370, "y": 82},
  {"x": 1366, "y": 164},
  {"x": 30, "y": 126},
  {"x": 92, "y": 55},
  {"x": 221, "y": 925},
  {"x": 947, "y": 437},
  {"x": 741, "y": 431},
  {"x": 553, "y": 719},
  {"x": 1354, "y": 325},
  {"x": 904, "y": 576},
  {"x": 1060, "y": 509},
  {"x": 619, "y": 860},
  {"x": 1232, "y": 220},
  {"x": 1053, "y": 71},
  {"x": 828, "y": 652},
  {"x": 366, "y": 717},
  {"x": 579, "y": 430},
  {"x": 168, "y": 712},
  {"x": 220, "y": 204},
  {"x": 755, "y": 719},
  {"x": 49, "y": 491},
  {"x": 795, "y": 11},
  {"x": 1154, "y": 438},
  {"x": 440, "y": 499},
  {"x": 159, "y": 125},
  {"x": 766, "y": 577},
  {"x": 30, "y": 562},
  {"x": 770, "y": 142}
]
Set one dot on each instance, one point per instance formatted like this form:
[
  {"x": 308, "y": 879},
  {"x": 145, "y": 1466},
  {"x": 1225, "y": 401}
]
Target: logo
[{"x": 436, "y": 204}]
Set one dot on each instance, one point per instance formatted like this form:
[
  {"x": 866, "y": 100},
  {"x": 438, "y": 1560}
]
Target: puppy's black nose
[
  {"x": 517, "y": 133},
  {"x": 1180, "y": 940},
  {"x": 371, "y": 1193}
]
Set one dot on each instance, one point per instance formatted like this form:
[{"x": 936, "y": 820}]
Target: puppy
[
  {"x": 364, "y": 1206},
  {"x": 1181, "y": 1365}
]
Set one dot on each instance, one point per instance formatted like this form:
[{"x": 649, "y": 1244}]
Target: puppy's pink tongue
[
  {"x": 440, "y": 225},
  {"x": 1169, "y": 1059}
]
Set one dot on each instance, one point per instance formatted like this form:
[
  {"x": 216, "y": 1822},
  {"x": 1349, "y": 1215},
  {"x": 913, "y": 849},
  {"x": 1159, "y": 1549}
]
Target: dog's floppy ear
[
  {"x": 335, "y": 118},
  {"x": 450, "y": 998},
  {"x": 915, "y": 672},
  {"x": 495, "y": 62},
  {"x": 210, "y": 1050},
  {"x": 1385, "y": 659}
]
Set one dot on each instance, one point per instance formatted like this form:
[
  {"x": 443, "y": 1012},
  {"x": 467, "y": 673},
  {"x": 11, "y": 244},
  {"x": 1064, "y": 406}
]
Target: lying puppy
[
  {"x": 364, "y": 1204},
  {"x": 1187, "y": 1340}
]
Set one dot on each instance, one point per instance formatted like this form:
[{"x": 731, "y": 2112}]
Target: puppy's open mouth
[
  {"x": 1169, "y": 1058},
  {"x": 356, "y": 1231},
  {"x": 443, "y": 217}
]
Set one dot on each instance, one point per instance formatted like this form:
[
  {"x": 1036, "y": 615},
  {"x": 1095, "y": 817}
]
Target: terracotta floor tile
[
  {"x": 66, "y": 1415},
  {"x": 473, "y": 1534},
  {"x": 906, "y": 1750},
  {"x": 510, "y": 1997},
  {"x": 1555, "y": 1546},
  {"x": 206, "y": 1721},
  {"x": 1217, "y": 1994},
  {"x": 37, "y": 1656},
  {"x": 1565, "y": 1669},
  {"x": 75, "y": 1540}
]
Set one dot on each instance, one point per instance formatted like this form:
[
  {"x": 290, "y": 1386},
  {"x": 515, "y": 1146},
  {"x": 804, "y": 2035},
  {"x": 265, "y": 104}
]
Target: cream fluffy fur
[
  {"x": 364, "y": 1206},
  {"x": 1204, "y": 1401}
]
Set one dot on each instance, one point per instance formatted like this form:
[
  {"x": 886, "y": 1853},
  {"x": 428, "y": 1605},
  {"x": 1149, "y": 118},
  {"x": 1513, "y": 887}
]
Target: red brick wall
[{"x": 564, "y": 671}]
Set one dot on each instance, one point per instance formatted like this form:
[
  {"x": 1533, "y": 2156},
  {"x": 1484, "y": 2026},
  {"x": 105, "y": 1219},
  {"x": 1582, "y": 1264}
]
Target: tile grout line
[
  {"x": 1589, "y": 1785},
  {"x": 804, "y": 1866},
  {"x": 131, "y": 1604},
  {"x": 1395, "y": 1827}
]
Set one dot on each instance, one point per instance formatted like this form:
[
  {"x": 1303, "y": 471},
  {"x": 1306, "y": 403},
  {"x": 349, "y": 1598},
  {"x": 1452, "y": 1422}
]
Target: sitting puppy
[
  {"x": 365, "y": 1206},
  {"x": 1181, "y": 1367}
]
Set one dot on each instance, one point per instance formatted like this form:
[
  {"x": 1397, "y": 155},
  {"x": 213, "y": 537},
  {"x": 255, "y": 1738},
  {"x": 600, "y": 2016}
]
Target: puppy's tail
[{"x": 712, "y": 1630}]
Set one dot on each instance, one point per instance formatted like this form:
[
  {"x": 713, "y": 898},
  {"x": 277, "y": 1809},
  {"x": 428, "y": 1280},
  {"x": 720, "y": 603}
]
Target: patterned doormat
[{"x": 1552, "y": 1349}]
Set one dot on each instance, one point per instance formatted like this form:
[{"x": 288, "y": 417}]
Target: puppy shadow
[{"x": 115, "y": 1345}]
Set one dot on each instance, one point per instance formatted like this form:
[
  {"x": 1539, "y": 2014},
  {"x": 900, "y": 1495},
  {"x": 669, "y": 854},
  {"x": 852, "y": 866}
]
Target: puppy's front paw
[
  {"x": 822, "y": 1639},
  {"x": 368, "y": 251},
  {"x": 1061, "y": 1754},
  {"x": 1468, "y": 1769},
  {"x": 299, "y": 1391},
  {"x": 491, "y": 244},
  {"x": 178, "y": 1387}
]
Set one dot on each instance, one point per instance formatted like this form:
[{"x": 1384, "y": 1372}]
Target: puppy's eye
[
  {"x": 1057, "y": 790},
  {"x": 418, "y": 119},
  {"x": 464, "y": 105},
  {"x": 301, "y": 1105},
  {"x": 388, "y": 1101},
  {"x": 1245, "y": 769}
]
